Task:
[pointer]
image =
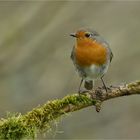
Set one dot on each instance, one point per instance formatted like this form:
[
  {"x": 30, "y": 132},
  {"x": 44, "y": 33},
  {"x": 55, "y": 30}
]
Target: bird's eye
[{"x": 87, "y": 34}]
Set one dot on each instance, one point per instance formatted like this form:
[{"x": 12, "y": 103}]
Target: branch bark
[{"x": 19, "y": 126}]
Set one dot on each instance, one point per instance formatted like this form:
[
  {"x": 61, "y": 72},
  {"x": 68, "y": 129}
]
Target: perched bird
[{"x": 91, "y": 56}]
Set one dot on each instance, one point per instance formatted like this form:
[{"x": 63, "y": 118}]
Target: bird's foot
[
  {"x": 107, "y": 89},
  {"x": 82, "y": 92},
  {"x": 112, "y": 86},
  {"x": 117, "y": 87}
]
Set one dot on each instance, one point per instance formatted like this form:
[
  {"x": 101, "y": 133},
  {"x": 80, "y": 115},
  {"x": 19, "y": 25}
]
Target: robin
[{"x": 91, "y": 56}]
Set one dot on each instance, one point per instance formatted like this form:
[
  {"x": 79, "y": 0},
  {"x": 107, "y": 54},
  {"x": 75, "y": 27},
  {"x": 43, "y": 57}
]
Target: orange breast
[{"x": 88, "y": 53}]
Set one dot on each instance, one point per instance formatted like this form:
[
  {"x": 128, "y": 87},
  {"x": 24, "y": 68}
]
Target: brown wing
[
  {"x": 72, "y": 54},
  {"x": 111, "y": 55}
]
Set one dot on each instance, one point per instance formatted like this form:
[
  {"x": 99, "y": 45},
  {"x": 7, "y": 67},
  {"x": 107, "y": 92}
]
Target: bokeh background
[{"x": 35, "y": 63}]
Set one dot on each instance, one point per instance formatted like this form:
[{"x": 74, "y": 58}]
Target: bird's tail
[{"x": 88, "y": 84}]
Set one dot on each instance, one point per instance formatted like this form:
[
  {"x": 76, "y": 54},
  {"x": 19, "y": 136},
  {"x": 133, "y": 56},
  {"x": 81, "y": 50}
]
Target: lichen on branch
[{"x": 19, "y": 126}]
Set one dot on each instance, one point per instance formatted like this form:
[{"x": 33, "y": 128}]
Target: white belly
[{"x": 94, "y": 71}]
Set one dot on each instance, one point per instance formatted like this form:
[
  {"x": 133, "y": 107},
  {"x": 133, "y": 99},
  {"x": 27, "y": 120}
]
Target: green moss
[
  {"x": 40, "y": 119},
  {"x": 13, "y": 128}
]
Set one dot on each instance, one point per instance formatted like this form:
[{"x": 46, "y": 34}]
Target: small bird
[{"x": 91, "y": 56}]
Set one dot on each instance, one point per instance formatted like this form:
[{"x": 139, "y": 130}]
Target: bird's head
[{"x": 85, "y": 35}]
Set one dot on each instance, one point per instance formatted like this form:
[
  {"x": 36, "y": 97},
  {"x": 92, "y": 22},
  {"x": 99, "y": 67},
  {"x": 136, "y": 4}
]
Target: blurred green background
[{"x": 35, "y": 63}]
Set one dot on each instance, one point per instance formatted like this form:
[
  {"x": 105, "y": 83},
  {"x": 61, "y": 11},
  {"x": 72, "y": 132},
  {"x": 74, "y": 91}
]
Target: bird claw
[
  {"x": 118, "y": 87},
  {"x": 112, "y": 86},
  {"x": 107, "y": 89},
  {"x": 82, "y": 92}
]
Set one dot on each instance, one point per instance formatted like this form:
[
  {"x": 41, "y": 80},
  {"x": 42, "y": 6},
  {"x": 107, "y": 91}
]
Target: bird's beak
[{"x": 73, "y": 35}]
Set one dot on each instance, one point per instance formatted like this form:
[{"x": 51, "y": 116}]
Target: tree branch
[{"x": 19, "y": 126}]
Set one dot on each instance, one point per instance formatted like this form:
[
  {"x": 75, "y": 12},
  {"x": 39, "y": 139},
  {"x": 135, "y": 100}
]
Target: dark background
[{"x": 35, "y": 63}]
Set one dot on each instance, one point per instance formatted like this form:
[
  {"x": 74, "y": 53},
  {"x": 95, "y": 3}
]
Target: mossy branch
[{"x": 20, "y": 126}]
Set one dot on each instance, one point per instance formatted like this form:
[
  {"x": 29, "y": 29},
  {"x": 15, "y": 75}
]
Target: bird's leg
[
  {"x": 103, "y": 83},
  {"x": 79, "y": 90}
]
